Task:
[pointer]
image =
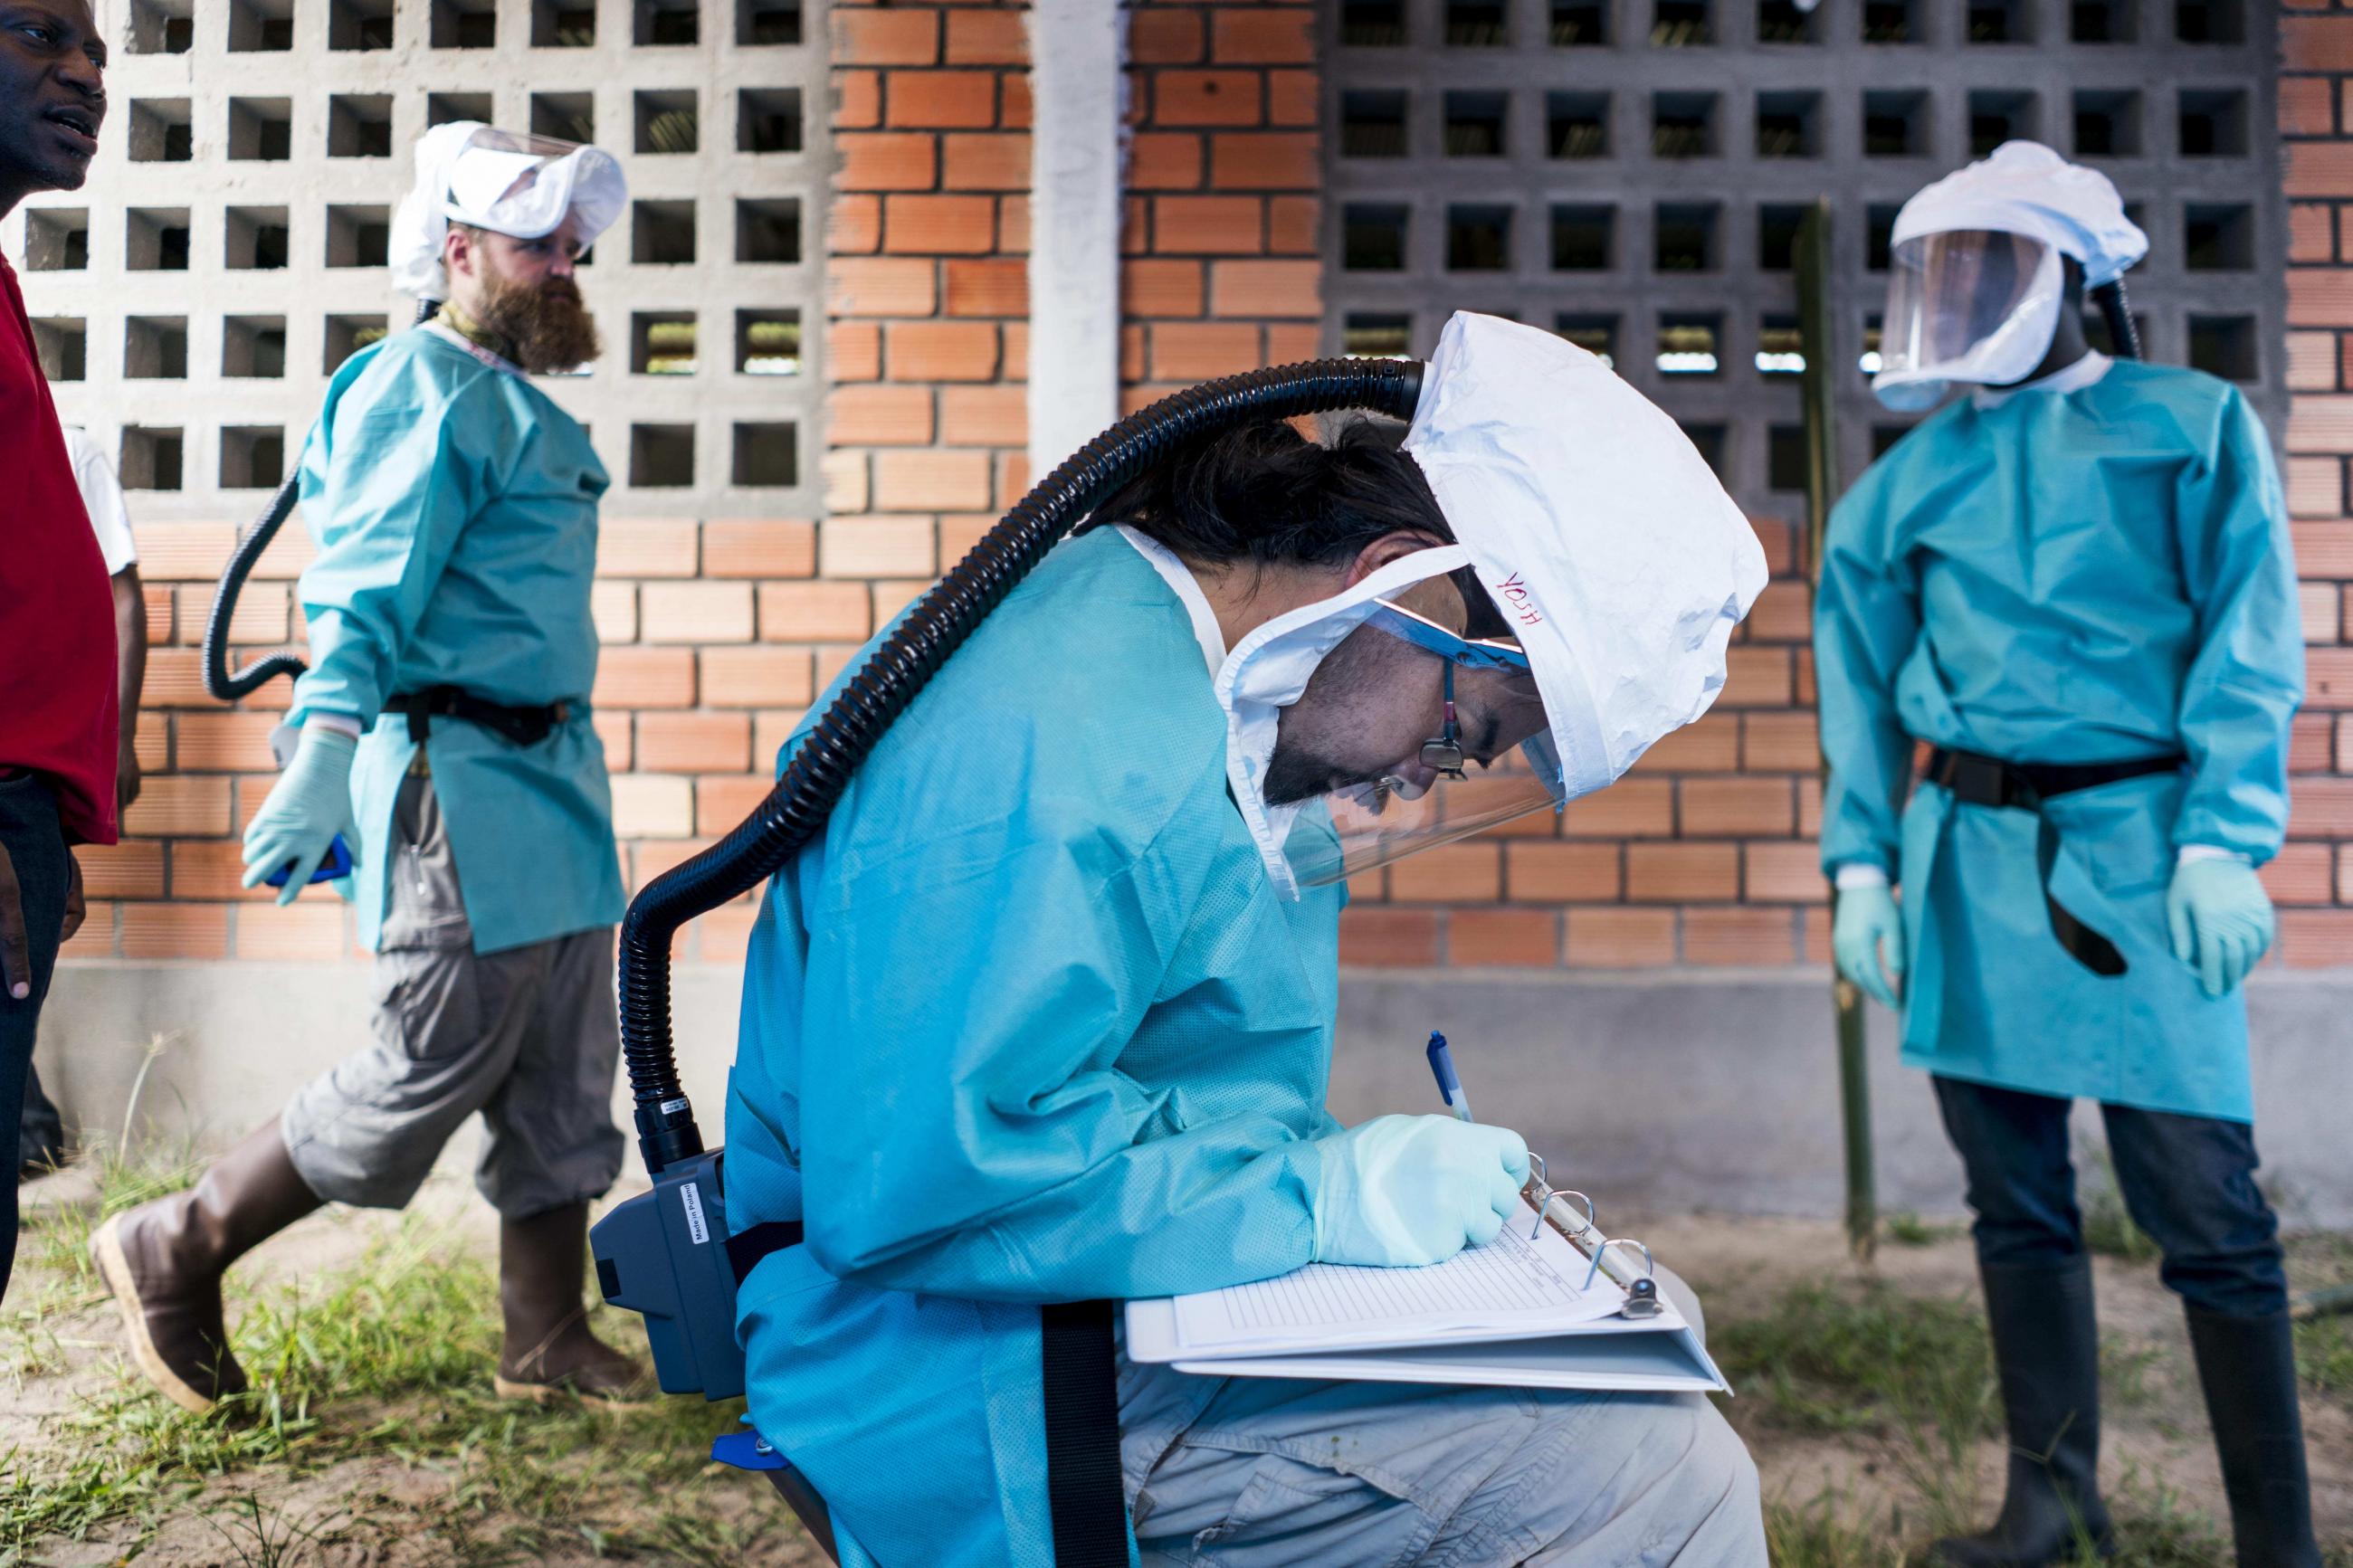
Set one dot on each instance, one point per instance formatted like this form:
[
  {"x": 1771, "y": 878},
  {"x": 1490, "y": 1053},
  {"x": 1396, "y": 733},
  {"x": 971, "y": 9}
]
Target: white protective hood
[
  {"x": 502, "y": 181},
  {"x": 2024, "y": 187},
  {"x": 1598, "y": 528}
]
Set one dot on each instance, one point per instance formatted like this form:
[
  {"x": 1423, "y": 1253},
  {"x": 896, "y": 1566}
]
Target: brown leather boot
[
  {"x": 549, "y": 1350},
  {"x": 163, "y": 1262}
]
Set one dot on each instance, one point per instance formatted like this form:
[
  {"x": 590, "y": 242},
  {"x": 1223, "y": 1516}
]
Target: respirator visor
[{"x": 1966, "y": 305}]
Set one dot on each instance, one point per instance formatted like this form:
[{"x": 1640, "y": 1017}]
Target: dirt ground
[{"x": 405, "y": 1479}]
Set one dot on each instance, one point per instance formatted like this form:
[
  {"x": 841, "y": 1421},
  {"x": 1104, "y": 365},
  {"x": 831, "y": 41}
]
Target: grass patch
[
  {"x": 1905, "y": 1228},
  {"x": 2324, "y": 1354},
  {"x": 389, "y": 1361},
  {"x": 1836, "y": 1358}
]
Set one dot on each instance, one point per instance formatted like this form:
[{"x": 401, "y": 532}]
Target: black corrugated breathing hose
[
  {"x": 229, "y": 685},
  {"x": 2117, "y": 311},
  {"x": 887, "y": 683}
]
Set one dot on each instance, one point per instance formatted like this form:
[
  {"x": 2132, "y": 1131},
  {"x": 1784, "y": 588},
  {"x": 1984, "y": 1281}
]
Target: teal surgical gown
[
  {"x": 2086, "y": 575},
  {"x": 1027, "y": 1023},
  {"x": 454, "y": 508}
]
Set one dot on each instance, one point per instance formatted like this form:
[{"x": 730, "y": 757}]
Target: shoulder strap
[{"x": 1083, "y": 1490}]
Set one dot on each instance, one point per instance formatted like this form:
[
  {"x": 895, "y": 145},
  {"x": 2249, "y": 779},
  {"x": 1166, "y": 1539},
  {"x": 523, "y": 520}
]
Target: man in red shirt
[{"x": 56, "y": 617}]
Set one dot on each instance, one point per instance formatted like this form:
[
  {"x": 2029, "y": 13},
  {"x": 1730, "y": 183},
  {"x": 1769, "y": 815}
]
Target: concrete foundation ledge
[{"x": 1654, "y": 1092}]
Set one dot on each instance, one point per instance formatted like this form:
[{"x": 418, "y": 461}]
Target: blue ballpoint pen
[{"x": 1449, "y": 1088}]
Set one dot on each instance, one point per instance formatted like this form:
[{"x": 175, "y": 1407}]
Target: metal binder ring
[
  {"x": 1649, "y": 1267},
  {"x": 1537, "y": 1229},
  {"x": 1536, "y": 1159}
]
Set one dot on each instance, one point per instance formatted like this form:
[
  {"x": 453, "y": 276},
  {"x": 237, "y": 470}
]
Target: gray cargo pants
[
  {"x": 529, "y": 1037},
  {"x": 1277, "y": 1471}
]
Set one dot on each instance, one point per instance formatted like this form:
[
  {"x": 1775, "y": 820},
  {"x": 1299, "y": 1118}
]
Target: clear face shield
[
  {"x": 1966, "y": 305},
  {"x": 1422, "y": 726}
]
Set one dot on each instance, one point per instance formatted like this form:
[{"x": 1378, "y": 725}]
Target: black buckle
[{"x": 1976, "y": 780}]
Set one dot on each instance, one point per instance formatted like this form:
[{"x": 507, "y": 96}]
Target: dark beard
[{"x": 546, "y": 327}]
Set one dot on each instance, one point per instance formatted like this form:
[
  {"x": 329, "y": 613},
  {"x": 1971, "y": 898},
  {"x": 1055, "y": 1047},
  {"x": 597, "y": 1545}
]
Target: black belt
[
  {"x": 1975, "y": 779},
  {"x": 1085, "y": 1500},
  {"x": 517, "y": 726}
]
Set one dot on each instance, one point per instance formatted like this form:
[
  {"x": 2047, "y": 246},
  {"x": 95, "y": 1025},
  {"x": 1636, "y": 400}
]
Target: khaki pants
[{"x": 529, "y": 1037}]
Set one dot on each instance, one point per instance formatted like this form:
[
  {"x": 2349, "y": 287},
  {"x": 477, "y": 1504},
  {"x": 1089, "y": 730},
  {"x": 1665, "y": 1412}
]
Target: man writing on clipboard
[{"x": 1045, "y": 1012}]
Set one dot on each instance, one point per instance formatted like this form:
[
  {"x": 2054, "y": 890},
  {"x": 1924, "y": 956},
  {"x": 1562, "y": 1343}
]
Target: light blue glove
[
  {"x": 1867, "y": 933},
  {"x": 1399, "y": 1191},
  {"x": 309, "y": 805},
  {"x": 2221, "y": 920}
]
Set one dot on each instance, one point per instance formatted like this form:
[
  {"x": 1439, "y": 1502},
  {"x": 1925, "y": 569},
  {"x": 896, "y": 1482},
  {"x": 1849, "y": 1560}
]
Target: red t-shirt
[{"x": 57, "y": 610}]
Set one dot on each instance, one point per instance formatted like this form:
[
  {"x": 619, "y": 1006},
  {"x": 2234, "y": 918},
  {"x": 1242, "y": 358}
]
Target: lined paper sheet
[{"x": 1512, "y": 1287}]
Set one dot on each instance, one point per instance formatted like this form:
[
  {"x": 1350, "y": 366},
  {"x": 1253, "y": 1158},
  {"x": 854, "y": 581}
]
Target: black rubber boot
[
  {"x": 2046, "y": 1348},
  {"x": 2248, "y": 1368}
]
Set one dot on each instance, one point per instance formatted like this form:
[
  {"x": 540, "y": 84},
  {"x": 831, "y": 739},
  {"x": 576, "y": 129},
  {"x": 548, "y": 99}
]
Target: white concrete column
[{"x": 1076, "y": 51}]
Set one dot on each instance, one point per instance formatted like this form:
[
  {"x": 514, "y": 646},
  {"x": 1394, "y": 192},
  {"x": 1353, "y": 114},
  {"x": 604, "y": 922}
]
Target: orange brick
[
  {"x": 1182, "y": 98},
  {"x": 986, "y": 38},
  {"x": 175, "y": 679},
  {"x": 174, "y": 931},
  {"x": 2324, "y": 549},
  {"x": 2317, "y": 168},
  {"x": 1292, "y": 98},
  {"x": 97, "y": 936},
  {"x": 1292, "y": 224},
  {"x": 1388, "y": 939},
  {"x": 2310, "y": 736},
  {"x": 693, "y": 743},
  {"x": 131, "y": 870},
  {"x": 2315, "y": 939},
  {"x": 1017, "y": 111},
  {"x": 1289, "y": 345},
  {"x": 1558, "y": 872},
  {"x": 307, "y": 931},
  {"x": 2312, "y": 362},
  {"x": 986, "y": 289},
  {"x": 1681, "y": 873},
  {"x": 2311, "y": 232},
  {"x": 2319, "y": 296},
  {"x": 879, "y": 36},
  {"x": 891, "y": 596},
  {"x": 1734, "y": 936},
  {"x": 1757, "y": 678},
  {"x": 614, "y": 607},
  {"x": 645, "y": 862},
  {"x": 646, "y": 547},
  {"x": 813, "y": 612},
  {"x": 939, "y": 99},
  {"x": 857, "y": 105},
  {"x": 1202, "y": 350},
  {"x": 959, "y": 531},
  {"x": 152, "y": 743},
  {"x": 985, "y": 161},
  {"x": 1160, "y": 288},
  {"x": 2314, "y": 44},
  {"x": 879, "y": 414},
  {"x": 1789, "y": 871},
  {"x": 1620, "y": 938},
  {"x": 225, "y": 742},
  {"x": 724, "y": 935},
  {"x": 853, "y": 350},
  {"x": 1013, "y": 225},
  {"x": 1163, "y": 161},
  {"x": 1263, "y": 161},
  {"x": 617, "y": 734},
  {"x": 1263, "y": 288},
  {"x": 939, "y": 225},
  {"x": 1164, "y": 36},
  {"x": 1710, "y": 746},
  {"x": 287, "y": 553},
  {"x": 2303, "y": 874},
  {"x": 941, "y": 351},
  {"x": 1779, "y": 742},
  {"x": 886, "y": 161},
  {"x": 2317, "y": 808},
  {"x": 723, "y": 801},
  {"x": 2318, "y": 606},
  {"x": 761, "y": 676},
  {"x": 1207, "y": 225},
  {"x": 758, "y": 548},
  {"x": 175, "y": 806},
  {"x": 1451, "y": 873},
  {"x": 1263, "y": 35},
  {"x": 1524, "y": 938},
  {"x": 854, "y": 224},
  {"x": 645, "y": 677},
  {"x": 1784, "y": 612},
  {"x": 1012, "y": 479},
  {"x": 213, "y": 869},
  {"x": 877, "y": 547},
  {"x": 2328, "y": 677},
  {"x": 1631, "y": 808},
  {"x": 985, "y": 415},
  {"x": 695, "y": 612},
  {"x": 1727, "y": 808},
  {"x": 182, "y": 550},
  {"x": 157, "y": 602}
]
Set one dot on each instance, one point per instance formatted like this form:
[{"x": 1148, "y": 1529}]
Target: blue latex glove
[
  {"x": 1399, "y": 1191},
  {"x": 309, "y": 805},
  {"x": 1867, "y": 933},
  {"x": 2221, "y": 919}
]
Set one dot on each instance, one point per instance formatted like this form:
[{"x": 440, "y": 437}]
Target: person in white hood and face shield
[
  {"x": 444, "y": 731},
  {"x": 1045, "y": 1012},
  {"x": 2074, "y": 588}
]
